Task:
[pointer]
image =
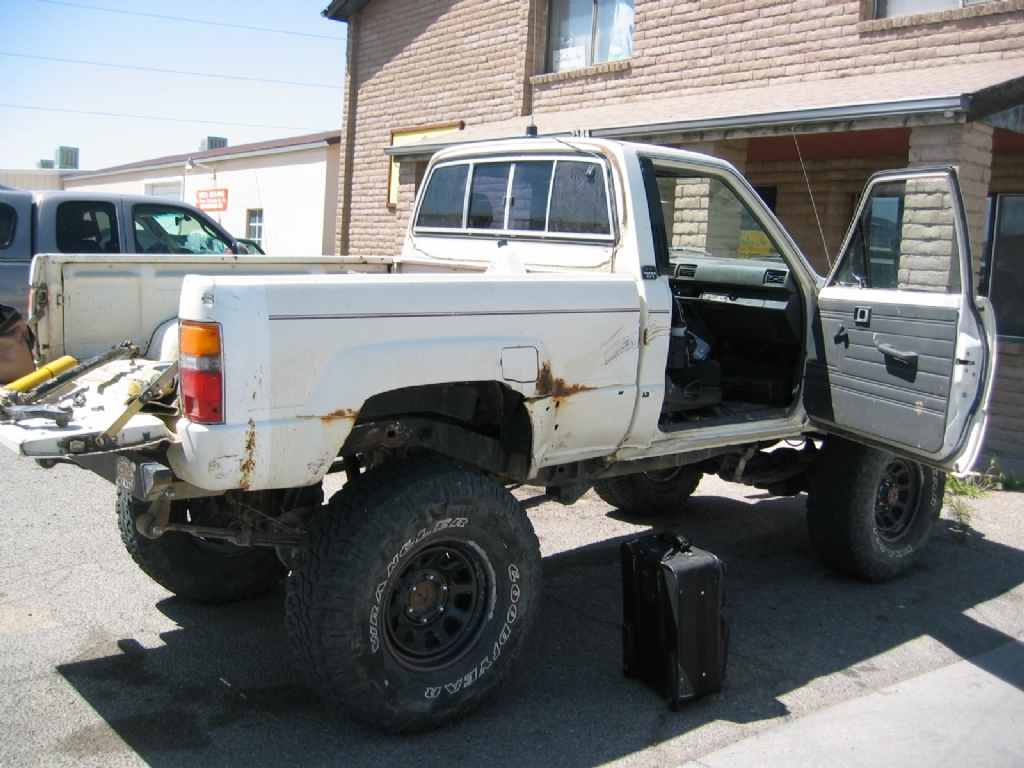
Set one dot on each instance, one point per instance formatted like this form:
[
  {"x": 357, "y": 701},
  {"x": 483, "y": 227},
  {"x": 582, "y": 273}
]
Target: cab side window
[
  {"x": 165, "y": 229},
  {"x": 87, "y": 226},
  {"x": 8, "y": 218}
]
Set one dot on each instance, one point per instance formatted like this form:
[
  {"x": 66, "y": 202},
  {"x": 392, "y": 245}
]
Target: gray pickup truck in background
[{"x": 95, "y": 222}]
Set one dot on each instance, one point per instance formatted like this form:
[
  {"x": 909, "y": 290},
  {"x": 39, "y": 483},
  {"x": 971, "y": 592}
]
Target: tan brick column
[{"x": 967, "y": 147}]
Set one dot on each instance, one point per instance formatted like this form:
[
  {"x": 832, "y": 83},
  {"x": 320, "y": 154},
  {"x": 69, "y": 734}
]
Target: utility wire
[
  {"x": 190, "y": 21},
  {"x": 170, "y": 71},
  {"x": 162, "y": 119}
]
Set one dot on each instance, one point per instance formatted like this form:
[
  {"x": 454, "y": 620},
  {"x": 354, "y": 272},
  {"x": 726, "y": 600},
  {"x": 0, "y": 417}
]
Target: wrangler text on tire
[
  {"x": 415, "y": 594},
  {"x": 660, "y": 492},
  {"x": 196, "y": 569},
  {"x": 870, "y": 513}
]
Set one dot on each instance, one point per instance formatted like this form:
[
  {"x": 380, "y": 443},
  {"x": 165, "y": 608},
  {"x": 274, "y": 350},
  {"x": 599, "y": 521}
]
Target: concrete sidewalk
[{"x": 968, "y": 714}]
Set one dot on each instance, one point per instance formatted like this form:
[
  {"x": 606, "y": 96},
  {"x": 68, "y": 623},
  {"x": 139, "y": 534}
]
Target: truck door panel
[{"x": 900, "y": 356}]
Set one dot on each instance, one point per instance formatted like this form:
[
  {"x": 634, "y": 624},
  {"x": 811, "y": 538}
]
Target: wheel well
[{"x": 479, "y": 423}]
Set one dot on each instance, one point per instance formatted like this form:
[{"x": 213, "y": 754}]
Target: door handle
[
  {"x": 910, "y": 358},
  {"x": 842, "y": 336}
]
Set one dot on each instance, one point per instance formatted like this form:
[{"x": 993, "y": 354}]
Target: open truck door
[{"x": 902, "y": 352}]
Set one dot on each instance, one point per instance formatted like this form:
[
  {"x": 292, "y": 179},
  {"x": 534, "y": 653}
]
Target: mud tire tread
[
  {"x": 175, "y": 562},
  {"x": 842, "y": 489},
  {"x": 348, "y": 544}
]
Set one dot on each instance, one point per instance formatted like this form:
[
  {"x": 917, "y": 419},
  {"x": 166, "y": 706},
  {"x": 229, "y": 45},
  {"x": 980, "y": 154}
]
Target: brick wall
[
  {"x": 439, "y": 61},
  {"x": 705, "y": 45},
  {"x": 1006, "y": 422},
  {"x": 835, "y": 184},
  {"x": 420, "y": 64}
]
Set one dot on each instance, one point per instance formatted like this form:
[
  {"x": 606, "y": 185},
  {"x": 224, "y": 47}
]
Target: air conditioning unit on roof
[
  {"x": 67, "y": 157},
  {"x": 212, "y": 142}
]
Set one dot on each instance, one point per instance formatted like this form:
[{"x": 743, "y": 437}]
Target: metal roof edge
[
  {"x": 180, "y": 162},
  {"x": 867, "y": 111}
]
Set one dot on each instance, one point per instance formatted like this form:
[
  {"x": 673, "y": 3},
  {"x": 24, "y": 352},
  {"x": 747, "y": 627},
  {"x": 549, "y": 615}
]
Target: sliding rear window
[{"x": 564, "y": 197}]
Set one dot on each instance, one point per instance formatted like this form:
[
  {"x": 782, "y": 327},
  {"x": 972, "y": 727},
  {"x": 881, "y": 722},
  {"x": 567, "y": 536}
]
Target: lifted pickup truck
[
  {"x": 95, "y": 222},
  {"x": 566, "y": 314}
]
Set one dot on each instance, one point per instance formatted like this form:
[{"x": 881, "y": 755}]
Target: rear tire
[
  {"x": 650, "y": 494},
  {"x": 415, "y": 595},
  {"x": 194, "y": 569},
  {"x": 870, "y": 513}
]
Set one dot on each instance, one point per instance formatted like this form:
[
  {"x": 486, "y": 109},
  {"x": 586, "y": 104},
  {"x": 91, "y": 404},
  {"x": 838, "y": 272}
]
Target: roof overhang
[
  {"x": 341, "y": 10},
  {"x": 939, "y": 95}
]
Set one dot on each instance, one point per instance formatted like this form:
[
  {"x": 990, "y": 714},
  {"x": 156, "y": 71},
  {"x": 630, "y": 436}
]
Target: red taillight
[{"x": 202, "y": 384}]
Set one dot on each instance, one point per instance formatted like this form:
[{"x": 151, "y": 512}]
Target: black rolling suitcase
[{"x": 674, "y": 635}]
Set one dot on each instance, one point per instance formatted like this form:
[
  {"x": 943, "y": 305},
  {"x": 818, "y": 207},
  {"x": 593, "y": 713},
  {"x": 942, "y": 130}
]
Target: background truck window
[
  {"x": 162, "y": 229},
  {"x": 8, "y": 218},
  {"x": 87, "y": 226}
]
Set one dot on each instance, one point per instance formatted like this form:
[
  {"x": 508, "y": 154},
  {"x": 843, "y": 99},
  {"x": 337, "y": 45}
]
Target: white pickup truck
[{"x": 565, "y": 314}]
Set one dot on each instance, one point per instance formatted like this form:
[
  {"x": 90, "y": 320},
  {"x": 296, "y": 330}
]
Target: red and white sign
[{"x": 212, "y": 199}]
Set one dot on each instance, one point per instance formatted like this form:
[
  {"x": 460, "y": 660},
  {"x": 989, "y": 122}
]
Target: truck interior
[{"x": 736, "y": 347}]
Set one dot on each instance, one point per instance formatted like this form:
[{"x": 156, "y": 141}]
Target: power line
[
  {"x": 170, "y": 71},
  {"x": 190, "y": 21},
  {"x": 163, "y": 119}
]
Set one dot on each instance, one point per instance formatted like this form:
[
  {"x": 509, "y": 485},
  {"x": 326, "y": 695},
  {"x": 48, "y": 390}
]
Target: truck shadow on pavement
[{"x": 223, "y": 691}]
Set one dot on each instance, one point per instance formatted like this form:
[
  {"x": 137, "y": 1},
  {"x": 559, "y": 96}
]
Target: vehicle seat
[{"x": 79, "y": 236}]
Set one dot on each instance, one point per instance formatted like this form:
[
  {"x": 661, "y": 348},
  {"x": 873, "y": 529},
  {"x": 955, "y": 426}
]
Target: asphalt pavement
[{"x": 99, "y": 666}]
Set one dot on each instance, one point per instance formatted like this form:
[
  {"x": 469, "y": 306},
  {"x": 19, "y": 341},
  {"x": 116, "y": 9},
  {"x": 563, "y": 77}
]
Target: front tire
[
  {"x": 650, "y": 494},
  {"x": 209, "y": 572},
  {"x": 870, "y": 513},
  {"x": 415, "y": 595}
]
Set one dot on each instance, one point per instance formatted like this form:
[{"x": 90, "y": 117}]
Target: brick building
[{"x": 806, "y": 97}]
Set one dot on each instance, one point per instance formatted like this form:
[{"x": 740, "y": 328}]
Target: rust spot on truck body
[
  {"x": 338, "y": 415},
  {"x": 341, "y": 413},
  {"x": 247, "y": 463},
  {"x": 549, "y": 386}
]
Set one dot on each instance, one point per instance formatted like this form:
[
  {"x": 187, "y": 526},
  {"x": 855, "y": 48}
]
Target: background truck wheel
[
  {"x": 644, "y": 494},
  {"x": 870, "y": 513},
  {"x": 196, "y": 569},
  {"x": 415, "y": 595}
]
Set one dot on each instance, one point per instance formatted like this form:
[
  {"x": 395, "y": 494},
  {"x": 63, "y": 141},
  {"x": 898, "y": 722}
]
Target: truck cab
[{"x": 95, "y": 222}]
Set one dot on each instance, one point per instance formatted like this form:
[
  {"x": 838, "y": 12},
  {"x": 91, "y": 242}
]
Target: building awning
[{"x": 950, "y": 94}]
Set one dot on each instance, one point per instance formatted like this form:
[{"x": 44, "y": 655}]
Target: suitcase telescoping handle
[{"x": 678, "y": 543}]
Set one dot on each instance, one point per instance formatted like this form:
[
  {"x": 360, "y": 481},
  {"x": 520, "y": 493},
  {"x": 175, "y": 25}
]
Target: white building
[{"x": 282, "y": 194}]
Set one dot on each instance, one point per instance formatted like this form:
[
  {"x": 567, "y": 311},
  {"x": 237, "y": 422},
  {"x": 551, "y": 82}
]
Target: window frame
[
  {"x": 248, "y": 225},
  {"x": 520, "y": 234},
  {"x": 988, "y": 269},
  {"x": 876, "y": 6},
  {"x": 549, "y": 50}
]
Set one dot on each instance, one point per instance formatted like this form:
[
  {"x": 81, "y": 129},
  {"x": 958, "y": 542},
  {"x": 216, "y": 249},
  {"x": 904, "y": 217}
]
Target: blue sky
[{"x": 54, "y": 91}]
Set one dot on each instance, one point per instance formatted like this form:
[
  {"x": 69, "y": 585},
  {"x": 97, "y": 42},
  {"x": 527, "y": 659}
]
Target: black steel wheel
[
  {"x": 415, "y": 594},
  {"x": 649, "y": 494},
  {"x": 870, "y": 513}
]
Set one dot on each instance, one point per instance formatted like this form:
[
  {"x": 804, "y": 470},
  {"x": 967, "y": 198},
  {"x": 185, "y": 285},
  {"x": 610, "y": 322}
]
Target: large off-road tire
[
  {"x": 649, "y": 494},
  {"x": 196, "y": 569},
  {"x": 415, "y": 595},
  {"x": 870, "y": 513}
]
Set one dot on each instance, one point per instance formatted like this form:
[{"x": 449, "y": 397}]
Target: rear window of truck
[{"x": 551, "y": 197}]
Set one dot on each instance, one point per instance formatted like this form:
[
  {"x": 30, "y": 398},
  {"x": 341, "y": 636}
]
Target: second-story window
[
  {"x": 887, "y": 8},
  {"x": 586, "y": 32}
]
